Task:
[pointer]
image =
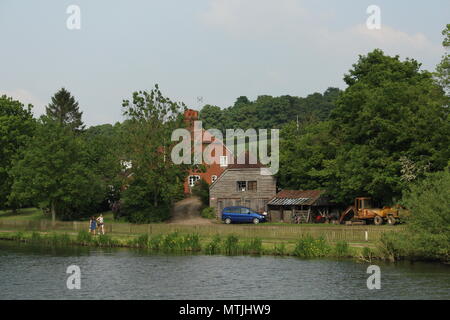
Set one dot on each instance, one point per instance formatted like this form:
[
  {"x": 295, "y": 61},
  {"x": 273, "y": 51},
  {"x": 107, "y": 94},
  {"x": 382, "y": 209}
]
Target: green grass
[{"x": 33, "y": 214}]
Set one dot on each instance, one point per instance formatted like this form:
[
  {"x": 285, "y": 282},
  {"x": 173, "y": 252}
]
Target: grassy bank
[{"x": 305, "y": 247}]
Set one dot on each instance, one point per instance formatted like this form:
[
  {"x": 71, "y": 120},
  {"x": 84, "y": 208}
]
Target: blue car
[{"x": 241, "y": 215}]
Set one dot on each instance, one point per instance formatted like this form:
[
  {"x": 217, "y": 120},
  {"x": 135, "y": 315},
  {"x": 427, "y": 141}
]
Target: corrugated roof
[{"x": 296, "y": 197}]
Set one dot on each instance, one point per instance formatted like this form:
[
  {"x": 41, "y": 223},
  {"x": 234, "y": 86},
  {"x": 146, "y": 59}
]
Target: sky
[{"x": 214, "y": 49}]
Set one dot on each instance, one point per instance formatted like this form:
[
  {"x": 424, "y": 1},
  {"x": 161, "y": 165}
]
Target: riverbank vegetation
[{"x": 306, "y": 247}]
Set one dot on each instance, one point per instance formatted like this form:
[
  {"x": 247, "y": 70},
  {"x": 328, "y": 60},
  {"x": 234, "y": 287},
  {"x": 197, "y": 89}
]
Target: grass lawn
[{"x": 35, "y": 214}]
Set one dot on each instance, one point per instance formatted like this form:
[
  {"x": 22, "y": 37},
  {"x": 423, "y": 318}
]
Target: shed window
[
  {"x": 252, "y": 185},
  {"x": 242, "y": 186},
  {"x": 193, "y": 180}
]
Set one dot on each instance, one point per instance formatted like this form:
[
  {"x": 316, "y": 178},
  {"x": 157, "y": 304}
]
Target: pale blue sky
[{"x": 217, "y": 49}]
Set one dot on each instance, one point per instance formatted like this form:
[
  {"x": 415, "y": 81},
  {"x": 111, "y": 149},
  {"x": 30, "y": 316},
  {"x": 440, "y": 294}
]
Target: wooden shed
[
  {"x": 242, "y": 185},
  {"x": 301, "y": 206}
]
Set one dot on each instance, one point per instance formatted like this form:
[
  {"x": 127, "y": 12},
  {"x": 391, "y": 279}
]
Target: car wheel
[
  {"x": 256, "y": 221},
  {"x": 391, "y": 220},
  {"x": 227, "y": 220},
  {"x": 378, "y": 220}
]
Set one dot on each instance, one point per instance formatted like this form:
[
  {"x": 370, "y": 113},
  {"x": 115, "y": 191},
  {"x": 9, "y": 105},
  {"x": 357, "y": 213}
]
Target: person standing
[
  {"x": 92, "y": 225},
  {"x": 101, "y": 224}
]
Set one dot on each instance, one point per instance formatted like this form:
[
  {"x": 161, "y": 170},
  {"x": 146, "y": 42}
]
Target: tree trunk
[{"x": 53, "y": 213}]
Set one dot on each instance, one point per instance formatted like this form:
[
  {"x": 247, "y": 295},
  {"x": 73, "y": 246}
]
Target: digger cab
[{"x": 363, "y": 203}]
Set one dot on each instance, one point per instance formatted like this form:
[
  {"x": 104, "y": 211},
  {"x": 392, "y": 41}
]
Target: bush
[
  {"x": 84, "y": 237},
  {"x": 231, "y": 245},
  {"x": 308, "y": 247},
  {"x": 279, "y": 249},
  {"x": 191, "y": 242},
  {"x": 252, "y": 246},
  {"x": 208, "y": 213},
  {"x": 214, "y": 246},
  {"x": 341, "y": 249}
]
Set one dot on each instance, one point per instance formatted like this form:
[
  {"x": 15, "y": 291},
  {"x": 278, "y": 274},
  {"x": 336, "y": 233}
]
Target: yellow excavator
[{"x": 362, "y": 212}]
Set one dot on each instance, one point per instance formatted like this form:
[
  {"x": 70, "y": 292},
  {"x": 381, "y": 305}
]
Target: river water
[{"x": 30, "y": 272}]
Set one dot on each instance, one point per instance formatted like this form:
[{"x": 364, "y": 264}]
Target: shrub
[
  {"x": 341, "y": 249},
  {"x": 155, "y": 242},
  {"x": 279, "y": 249},
  {"x": 308, "y": 247},
  {"x": 214, "y": 246},
  {"x": 142, "y": 241},
  {"x": 252, "y": 246},
  {"x": 208, "y": 213},
  {"x": 191, "y": 242},
  {"x": 231, "y": 245},
  {"x": 84, "y": 237}
]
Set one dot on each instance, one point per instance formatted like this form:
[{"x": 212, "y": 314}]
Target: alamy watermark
[
  {"x": 373, "y": 22},
  {"x": 73, "y": 22},
  {"x": 214, "y": 152},
  {"x": 74, "y": 280},
  {"x": 374, "y": 280}
]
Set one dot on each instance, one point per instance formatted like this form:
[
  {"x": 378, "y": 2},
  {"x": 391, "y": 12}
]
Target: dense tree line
[{"x": 268, "y": 112}]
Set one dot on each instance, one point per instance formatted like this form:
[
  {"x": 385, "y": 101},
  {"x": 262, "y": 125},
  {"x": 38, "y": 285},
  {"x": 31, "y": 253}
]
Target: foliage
[
  {"x": 208, "y": 213},
  {"x": 214, "y": 246},
  {"x": 442, "y": 73},
  {"x": 54, "y": 173},
  {"x": 309, "y": 247},
  {"x": 64, "y": 110},
  {"x": 201, "y": 190},
  {"x": 155, "y": 182},
  {"x": 341, "y": 249},
  {"x": 16, "y": 128},
  {"x": 268, "y": 112},
  {"x": 389, "y": 128},
  {"x": 231, "y": 245}
]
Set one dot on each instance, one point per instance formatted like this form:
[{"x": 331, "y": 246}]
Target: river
[{"x": 31, "y": 272}]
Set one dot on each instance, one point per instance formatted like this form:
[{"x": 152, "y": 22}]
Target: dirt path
[{"x": 187, "y": 212}]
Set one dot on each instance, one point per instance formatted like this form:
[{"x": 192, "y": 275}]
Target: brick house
[{"x": 214, "y": 170}]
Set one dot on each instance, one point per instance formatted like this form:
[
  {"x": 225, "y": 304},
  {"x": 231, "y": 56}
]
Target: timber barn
[{"x": 242, "y": 185}]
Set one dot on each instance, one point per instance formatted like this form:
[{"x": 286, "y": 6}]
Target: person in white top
[{"x": 101, "y": 225}]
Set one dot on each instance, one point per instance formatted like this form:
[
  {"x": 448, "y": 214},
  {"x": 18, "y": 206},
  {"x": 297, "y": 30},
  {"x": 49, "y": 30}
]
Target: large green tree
[
  {"x": 16, "y": 128},
  {"x": 391, "y": 110},
  {"x": 64, "y": 109},
  {"x": 155, "y": 181},
  {"x": 55, "y": 173}
]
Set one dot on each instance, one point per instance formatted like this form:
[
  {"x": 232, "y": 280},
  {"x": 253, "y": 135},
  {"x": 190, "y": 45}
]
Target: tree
[
  {"x": 156, "y": 182},
  {"x": 443, "y": 68},
  {"x": 54, "y": 173},
  {"x": 428, "y": 226},
  {"x": 64, "y": 110},
  {"x": 16, "y": 128},
  {"x": 390, "y": 110}
]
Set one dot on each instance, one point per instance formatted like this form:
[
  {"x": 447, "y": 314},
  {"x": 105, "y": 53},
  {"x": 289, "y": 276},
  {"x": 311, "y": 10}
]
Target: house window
[
  {"x": 252, "y": 185},
  {"x": 242, "y": 186},
  {"x": 213, "y": 178},
  {"x": 223, "y": 161},
  {"x": 193, "y": 180}
]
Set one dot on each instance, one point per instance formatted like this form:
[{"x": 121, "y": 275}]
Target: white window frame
[
  {"x": 224, "y": 161},
  {"x": 193, "y": 179},
  {"x": 213, "y": 178}
]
